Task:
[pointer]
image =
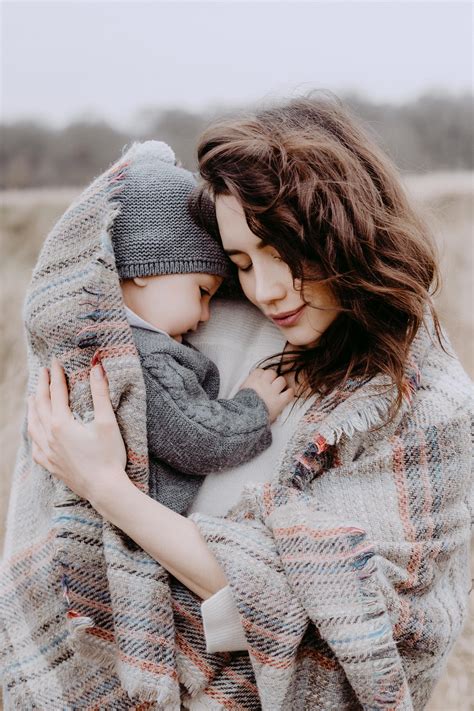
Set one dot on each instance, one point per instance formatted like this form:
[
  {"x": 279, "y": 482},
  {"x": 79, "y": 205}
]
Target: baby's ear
[{"x": 140, "y": 281}]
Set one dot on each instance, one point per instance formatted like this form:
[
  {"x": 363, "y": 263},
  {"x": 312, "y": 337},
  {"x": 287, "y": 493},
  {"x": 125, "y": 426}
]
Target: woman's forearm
[
  {"x": 88, "y": 459},
  {"x": 171, "y": 539}
]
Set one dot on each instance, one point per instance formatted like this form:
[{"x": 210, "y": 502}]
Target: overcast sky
[{"x": 73, "y": 58}]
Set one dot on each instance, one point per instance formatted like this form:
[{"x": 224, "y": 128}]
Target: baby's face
[{"x": 175, "y": 303}]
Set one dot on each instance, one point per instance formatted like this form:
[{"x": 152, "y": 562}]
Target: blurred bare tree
[
  {"x": 180, "y": 129},
  {"x": 433, "y": 132}
]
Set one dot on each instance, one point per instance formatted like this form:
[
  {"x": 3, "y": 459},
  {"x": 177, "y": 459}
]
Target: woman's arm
[
  {"x": 171, "y": 539},
  {"x": 90, "y": 460}
]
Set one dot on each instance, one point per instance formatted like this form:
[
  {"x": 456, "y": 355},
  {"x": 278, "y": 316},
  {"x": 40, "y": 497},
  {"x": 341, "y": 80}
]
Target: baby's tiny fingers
[
  {"x": 287, "y": 395},
  {"x": 279, "y": 383}
]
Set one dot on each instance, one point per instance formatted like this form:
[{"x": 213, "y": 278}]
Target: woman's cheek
[{"x": 248, "y": 286}]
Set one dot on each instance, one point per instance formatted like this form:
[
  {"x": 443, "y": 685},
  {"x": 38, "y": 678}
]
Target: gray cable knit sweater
[{"x": 190, "y": 432}]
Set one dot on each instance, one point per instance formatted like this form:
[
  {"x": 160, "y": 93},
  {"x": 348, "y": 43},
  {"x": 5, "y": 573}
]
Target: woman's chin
[{"x": 300, "y": 339}]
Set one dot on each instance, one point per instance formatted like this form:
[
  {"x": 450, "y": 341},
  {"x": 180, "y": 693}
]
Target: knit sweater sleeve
[
  {"x": 193, "y": 432},
  {"x": 222, "y": 624}
]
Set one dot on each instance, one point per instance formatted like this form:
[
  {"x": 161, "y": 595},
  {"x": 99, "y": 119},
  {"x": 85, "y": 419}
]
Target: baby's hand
[{"x": 271, "y": 388}]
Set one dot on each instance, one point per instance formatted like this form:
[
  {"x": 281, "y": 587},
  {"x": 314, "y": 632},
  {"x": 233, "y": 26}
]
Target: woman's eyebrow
[{"x": 231, "y": 252}]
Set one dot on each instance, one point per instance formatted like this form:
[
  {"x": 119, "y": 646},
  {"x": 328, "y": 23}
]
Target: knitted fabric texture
[
  {"x": 154, "y": 232},
  {"x": 190, "y": 431},
  {"x": 350, "y": 570}
]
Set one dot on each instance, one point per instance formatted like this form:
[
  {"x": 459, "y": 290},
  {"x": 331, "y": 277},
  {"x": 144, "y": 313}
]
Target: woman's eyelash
[{"x": 246, "y": 269}]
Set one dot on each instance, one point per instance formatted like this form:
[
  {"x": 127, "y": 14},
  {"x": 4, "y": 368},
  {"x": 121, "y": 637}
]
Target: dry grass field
[{"x": 446, "y": 200}]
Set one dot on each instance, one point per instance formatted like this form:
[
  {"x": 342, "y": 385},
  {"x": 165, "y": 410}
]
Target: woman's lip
[{"x": 289, "y": 319}]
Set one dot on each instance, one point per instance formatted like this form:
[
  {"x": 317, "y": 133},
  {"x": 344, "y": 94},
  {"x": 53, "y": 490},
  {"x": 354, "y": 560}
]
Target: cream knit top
[{"x": 236, "y": 338}]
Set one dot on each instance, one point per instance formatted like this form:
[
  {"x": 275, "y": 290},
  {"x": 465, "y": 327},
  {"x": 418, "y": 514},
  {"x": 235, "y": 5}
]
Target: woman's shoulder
[
  {"x": 444, "y": 390},
  {"x": 357, "y": 422}
]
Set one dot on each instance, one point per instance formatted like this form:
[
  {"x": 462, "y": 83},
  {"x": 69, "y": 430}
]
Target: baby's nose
[{"x": 205, "y": 313}]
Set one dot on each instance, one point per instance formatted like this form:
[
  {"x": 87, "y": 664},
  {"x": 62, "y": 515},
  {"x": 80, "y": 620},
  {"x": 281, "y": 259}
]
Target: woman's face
[{"x": 268, "y": 283}]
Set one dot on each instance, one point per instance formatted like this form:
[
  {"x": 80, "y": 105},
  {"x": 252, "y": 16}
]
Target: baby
[{"x": 170, "y": 269}]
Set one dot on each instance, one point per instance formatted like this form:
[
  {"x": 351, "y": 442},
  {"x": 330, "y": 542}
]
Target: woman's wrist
[
  {"x": 110, "y": 487},
  {"x": 171, "y": 539}
]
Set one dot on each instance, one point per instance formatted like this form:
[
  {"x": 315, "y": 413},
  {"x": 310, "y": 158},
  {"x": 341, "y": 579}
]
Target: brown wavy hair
[{"x": 315, "y": 186}]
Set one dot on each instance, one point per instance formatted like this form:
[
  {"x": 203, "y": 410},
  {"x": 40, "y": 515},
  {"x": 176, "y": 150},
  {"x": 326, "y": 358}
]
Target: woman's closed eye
[{"x": 249, "y": 266}]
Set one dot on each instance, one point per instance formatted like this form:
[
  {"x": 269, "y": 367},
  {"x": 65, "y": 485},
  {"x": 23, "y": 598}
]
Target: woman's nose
[{"x": 268, "y": 289}]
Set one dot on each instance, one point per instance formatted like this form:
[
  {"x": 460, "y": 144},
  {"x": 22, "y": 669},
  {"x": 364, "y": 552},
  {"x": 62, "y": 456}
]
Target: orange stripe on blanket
[
  {"x": 225, "y": 701},
  {"x": 89, "y": 602},
  {"x": 326, "y": 533},
  {"x": 240, "y": 679},
  {"x": 135, "y": 634},
  {"x": 270, "y": 661},
  {"x": 128, "y": 348},
  {"x": 401, "y": 486},
  {"x": 189, "y": 652},
  {"x": 267, "y": 498},
  {"x": 149, "y": 666},
  {"x": 135, "y": 458},
  {"x": 113, "y": 701},
  {"x": 322, "y": 660},
  {"x": 75, "y": 598},
  {"x": 195, "y": 621},
  {"x": 427, "y": 490},
  {"x": 101, "y": 633},
  {"x": 399, "y": 627},
  {"x": 110, "y": 352},
  {"x": 404, "y": 511},
  {"x": 105, "y": 326},
  {"x": 262, "y": 631},
  {"x": 413, "y": 567}
]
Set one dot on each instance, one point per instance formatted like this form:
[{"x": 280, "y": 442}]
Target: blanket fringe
[
  {"x": 75, "y": 621},
  {"x": 201, "y": 703},
  {"x": 189, "y": 674},
  {"x": 163, "y": 693}
]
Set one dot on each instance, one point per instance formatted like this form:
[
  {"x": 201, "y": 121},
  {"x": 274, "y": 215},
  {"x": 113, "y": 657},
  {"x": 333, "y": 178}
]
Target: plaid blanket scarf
[{"x": 349, "y": 570}]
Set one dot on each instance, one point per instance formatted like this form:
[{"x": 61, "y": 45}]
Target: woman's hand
[{"x": 88, "y": 458}]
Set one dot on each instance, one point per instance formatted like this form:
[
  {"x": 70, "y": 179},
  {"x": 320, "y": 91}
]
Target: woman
[{"x": 342, "y": 573}]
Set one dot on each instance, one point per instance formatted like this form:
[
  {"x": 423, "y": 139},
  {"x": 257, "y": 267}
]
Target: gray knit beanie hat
[{"x": 154, "y": 232}]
